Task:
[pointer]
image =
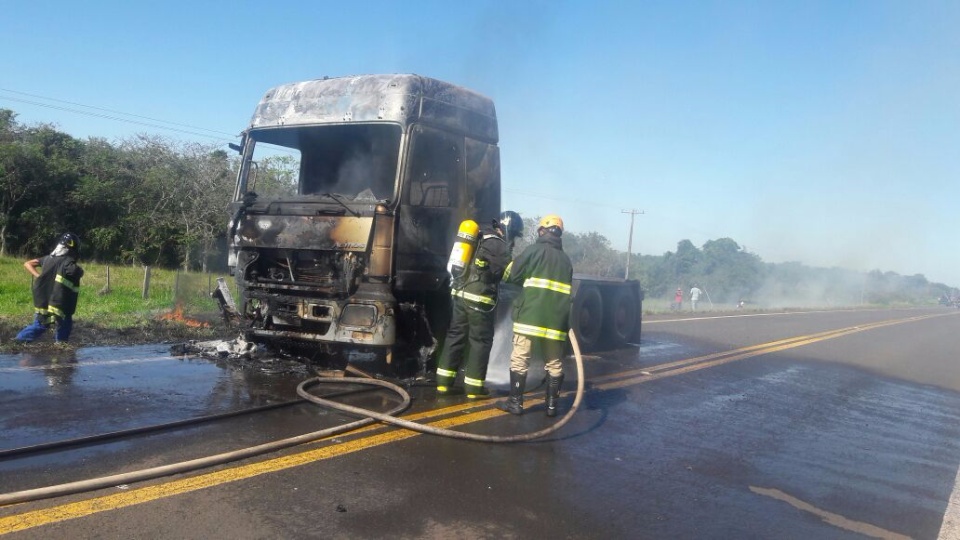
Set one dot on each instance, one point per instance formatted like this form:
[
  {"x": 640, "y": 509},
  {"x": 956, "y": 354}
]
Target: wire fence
[{"x": 154, "y": 286}]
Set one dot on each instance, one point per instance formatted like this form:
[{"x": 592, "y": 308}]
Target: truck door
[{"x": 430, "y": 209}]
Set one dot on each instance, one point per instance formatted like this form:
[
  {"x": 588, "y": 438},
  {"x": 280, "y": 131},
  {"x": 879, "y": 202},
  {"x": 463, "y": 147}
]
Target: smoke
[
  {"x": 793, "y": 285},
  {"x": 498, "y": 370}
]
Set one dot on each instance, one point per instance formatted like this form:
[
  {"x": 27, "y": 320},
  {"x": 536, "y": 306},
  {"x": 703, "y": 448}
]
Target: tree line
[
  {"x": 143, "y": 200},
  {"x": 153, "y": 201},
  {"x": 729, "y": 274}
]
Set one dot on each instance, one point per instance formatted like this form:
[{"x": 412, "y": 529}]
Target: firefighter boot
[
  {"x": 514, "y": 403},
  {"x": 553, "y": 393}
]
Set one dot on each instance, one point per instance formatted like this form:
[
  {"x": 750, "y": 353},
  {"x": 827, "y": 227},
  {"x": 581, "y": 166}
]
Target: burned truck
[
  {"x": 348, "y": 252},
  {"x": 351, "y": 252}
]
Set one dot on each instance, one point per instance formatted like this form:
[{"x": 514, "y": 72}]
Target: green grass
[{"x": 123, "y": 305}]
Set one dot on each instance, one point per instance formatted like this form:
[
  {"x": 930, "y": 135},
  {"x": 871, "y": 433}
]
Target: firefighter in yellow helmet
[{"x": 541, "y": 313}]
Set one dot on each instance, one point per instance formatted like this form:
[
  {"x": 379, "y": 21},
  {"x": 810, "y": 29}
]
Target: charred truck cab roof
[
  {"x": 398, "y": 99},
  {"x": 352, "y": 241}
]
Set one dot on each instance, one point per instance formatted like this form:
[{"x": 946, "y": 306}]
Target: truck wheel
[
  {"x": 587, "y": 317},
  {"x": 620, "y": 318}
]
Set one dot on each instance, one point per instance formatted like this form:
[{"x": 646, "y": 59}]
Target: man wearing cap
[{"x": 541, "y": 314}]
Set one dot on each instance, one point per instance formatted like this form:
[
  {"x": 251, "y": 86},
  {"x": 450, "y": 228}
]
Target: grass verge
[{"x": 177, "y": 306}]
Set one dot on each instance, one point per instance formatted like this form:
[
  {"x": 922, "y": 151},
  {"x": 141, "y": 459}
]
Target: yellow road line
[
  {"x": 87, "y": 507},
  {"x": 95, "y": 505},
  {"x": 716, "y": 359}
]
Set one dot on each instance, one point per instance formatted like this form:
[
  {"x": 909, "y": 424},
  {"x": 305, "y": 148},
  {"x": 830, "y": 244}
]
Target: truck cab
[{"x": 350, "y": 249}]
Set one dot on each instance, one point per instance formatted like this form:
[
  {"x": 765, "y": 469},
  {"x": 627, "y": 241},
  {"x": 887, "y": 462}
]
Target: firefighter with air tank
[
  {"x": 541, "y": 314},
  {"x": 476, "y": 266}
]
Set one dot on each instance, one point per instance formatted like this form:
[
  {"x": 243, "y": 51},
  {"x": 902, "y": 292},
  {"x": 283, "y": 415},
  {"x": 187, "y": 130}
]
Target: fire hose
[
  {"x": 369, "y": 417},
  {"x": 432, "y": 430}
]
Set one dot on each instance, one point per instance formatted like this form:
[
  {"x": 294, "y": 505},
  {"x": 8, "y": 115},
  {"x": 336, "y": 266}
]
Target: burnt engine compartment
[
  {"x": 290, "y": 299},
  {"x": 275, "y": 283},
  {"x": 328, "y": 273}
]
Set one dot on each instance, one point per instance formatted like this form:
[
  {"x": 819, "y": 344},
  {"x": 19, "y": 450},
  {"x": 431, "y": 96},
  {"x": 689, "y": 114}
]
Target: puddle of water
[{"x": 57, "y": 394}]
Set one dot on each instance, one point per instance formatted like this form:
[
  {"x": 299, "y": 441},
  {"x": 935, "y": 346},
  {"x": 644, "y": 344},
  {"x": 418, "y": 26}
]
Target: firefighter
[
  {"x": 541, "y": 314},
  {"x": 474, "y": 297},
  {"x": 56, "y": 288}
]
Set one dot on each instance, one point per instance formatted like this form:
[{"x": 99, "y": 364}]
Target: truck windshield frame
[{"x": 356, "y": 161}]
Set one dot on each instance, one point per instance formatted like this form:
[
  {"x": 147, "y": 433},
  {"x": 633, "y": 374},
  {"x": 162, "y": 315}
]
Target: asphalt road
[{"x": 840, "y": 424}]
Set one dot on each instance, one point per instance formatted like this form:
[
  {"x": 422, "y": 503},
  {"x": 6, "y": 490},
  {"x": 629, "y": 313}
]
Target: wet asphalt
[{"x": 840, "y": 424}]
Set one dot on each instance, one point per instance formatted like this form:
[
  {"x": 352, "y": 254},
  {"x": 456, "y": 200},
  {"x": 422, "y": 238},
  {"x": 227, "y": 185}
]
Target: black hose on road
[
  {"x": 190, "y": 422},
  {"x": 186, "y": 466},
  {"x": 243, "y": 453}
]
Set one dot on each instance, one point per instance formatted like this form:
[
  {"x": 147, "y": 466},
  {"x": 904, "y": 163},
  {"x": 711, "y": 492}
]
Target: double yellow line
[
  {"x": 670, "y": 369},
  {"x": 471, "y": 412}
]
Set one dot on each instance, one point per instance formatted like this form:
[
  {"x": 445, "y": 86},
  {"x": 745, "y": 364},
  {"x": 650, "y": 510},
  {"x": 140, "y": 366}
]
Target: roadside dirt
[{"x": 89, "y": 334}]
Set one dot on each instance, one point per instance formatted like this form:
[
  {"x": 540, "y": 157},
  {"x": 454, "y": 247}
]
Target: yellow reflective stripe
[
  {"x": 541, "y": 283},
  {"x": 538, "y": 331},
  {"x": 473, "y": 382},
  {"x": 506, "y": 273},
  {"x": 480, "y": 263},
  {"x": 480, "y": 299},
  {"x": 473, "y": 297},
  {"x": 67, "y": 283},
  {"x": 57, "y": 312},
  {"x": 446, "y": 372}
]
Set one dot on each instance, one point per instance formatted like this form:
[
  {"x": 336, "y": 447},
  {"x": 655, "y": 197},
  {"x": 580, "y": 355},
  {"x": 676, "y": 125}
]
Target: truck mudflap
[{"x": 224, "y": 298}]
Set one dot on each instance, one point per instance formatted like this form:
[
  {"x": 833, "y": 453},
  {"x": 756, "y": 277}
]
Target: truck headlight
[{"x": 358, "y": 315}]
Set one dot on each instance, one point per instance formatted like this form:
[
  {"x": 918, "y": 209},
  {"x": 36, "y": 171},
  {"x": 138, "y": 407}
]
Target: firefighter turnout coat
[
  {"x": 546, "y": 275},
  {"x": 482, "y": 280},
  {"x": 470, "y": 336},
  {"x": 56, "y": 291}
]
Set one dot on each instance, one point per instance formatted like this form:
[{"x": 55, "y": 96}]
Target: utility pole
[{"x": 633, "y": 213}]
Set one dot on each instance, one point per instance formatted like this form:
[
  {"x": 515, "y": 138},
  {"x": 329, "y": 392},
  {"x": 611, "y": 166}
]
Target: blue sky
[{"x": 821, "y": 132}]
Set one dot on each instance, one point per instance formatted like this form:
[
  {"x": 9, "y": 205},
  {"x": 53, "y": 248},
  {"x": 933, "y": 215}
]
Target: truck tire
[
  {"x": 586, "y": 317},
  {"x": 620, "y": 316}
]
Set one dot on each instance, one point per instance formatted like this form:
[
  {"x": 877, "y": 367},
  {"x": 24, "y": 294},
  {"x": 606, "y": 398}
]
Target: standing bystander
[{"x": 694, "y": 297}]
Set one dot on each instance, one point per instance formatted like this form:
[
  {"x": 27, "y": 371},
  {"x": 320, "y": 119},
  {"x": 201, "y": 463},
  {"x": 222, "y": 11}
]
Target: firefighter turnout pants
[{"x": 468, "y": 344}]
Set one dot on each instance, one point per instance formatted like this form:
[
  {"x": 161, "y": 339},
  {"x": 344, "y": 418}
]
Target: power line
[
  {"x": 193, "y": 130},
  {"x": 116, "y": 112},
  {"x": 542, "y": 196}
]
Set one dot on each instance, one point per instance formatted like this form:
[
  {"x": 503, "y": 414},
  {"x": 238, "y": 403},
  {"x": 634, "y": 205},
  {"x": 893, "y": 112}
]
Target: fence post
[
  {"x": 146, "y": 282},
  {"x": 106, "y": 286}
]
